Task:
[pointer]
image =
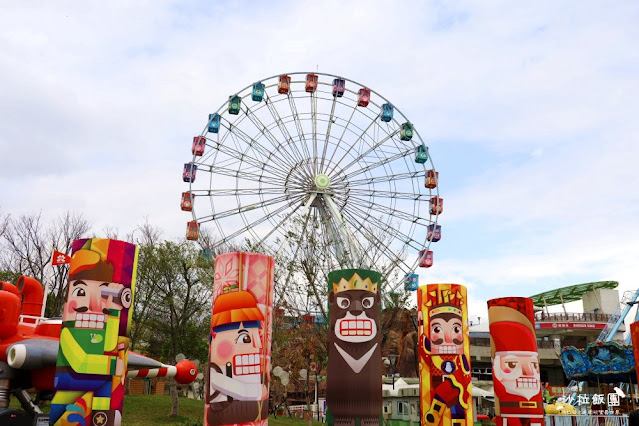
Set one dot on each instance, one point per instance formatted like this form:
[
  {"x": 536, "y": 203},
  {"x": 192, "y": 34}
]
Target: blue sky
[{"x": 529, "y": 110}]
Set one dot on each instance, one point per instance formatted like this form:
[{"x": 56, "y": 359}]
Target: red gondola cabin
[
  {"x": 425, "y": 258},
  {"x": 192, "y": 230},
  {"x": 311, "y": 83},
  {"x": 199, "y": 143},
  {"x": 363, "y": 97},
  {"x": 436, "y": 205},
  {"x": 284, "y": 85},
  {"x": 431, "y": 179},
  {"x": 187, "y": 201}
]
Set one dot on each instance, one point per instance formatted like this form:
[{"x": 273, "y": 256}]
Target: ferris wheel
[{"x": 313, "y": 164}]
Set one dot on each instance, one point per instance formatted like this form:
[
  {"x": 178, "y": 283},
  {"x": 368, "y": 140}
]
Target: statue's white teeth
[{"x": 348, "y": 327}]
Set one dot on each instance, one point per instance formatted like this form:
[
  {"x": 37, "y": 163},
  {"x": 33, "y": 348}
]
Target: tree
[{"x": 179, "y": 288}]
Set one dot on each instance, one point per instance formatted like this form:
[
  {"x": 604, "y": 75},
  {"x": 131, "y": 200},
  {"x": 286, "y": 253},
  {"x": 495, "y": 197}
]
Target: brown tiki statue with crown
[{"x": 354, "y": 377}]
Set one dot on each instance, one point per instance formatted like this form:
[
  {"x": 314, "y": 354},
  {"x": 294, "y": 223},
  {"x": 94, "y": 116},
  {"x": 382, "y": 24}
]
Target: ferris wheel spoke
[
  {"x": 260, "y": 164},
  {"x": 390, "y": 194},
  {"x": 262, "y": 128},
  {"x": 352, "y": 145},
  {"x": 371, "y": 149},
  {"x": 314, "y": 122},
  {"x": 390, "y": 211},
  {"x": 235, "y": 191},
  {"x": 382, "y": 246},
  {"x": 285, "y": 133},
  {"x": 379, "y": 179},
  {"x": 331, "y": 120},
  {"x": 236, "y": 173},
  {"x": 279, "y": 226},
  {"x": 258, "y": 221},
  {"x": 243, "y": 209},
  {"x": 373, "y": 221},
  {"x": 375, "y": 165},
  {"x": 299, "y": 128}
]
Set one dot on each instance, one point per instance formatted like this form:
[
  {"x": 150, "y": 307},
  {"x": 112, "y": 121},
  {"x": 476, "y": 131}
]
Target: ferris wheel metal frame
[{"x": 284, "y": 156}]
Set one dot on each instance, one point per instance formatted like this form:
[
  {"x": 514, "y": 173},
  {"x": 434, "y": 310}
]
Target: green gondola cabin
[
  {"x": 235, "y": 102},
  {"x": 406, "y": 132}
]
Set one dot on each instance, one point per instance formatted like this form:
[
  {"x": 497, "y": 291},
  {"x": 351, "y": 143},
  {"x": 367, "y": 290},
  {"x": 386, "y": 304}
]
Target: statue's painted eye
[
  {"x": 343, "y": 302},
  {"x": 511, "y": 364},
  {"x": 367, "y": 302},
  {"x": 244, "y": 337},
  {"x": 79, "y": 292}
]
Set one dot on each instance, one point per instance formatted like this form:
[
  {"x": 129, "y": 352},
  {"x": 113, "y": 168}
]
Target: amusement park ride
[
  {"x": 316, "y": 162},
  {"x": 29, "y": 347}
]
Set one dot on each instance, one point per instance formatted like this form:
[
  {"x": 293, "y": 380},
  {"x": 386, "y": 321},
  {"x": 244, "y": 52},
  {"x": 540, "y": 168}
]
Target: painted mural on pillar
[
  {"x": 94, "y": 341},
  {"x": 354, "y": 373},
  {"x": 240, "y": 350},
  {"x": 444, "y": 355},
  {"x": 516, "y": 375}
]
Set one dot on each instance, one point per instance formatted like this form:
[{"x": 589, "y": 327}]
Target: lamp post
[{"x": 393, "y": 358}]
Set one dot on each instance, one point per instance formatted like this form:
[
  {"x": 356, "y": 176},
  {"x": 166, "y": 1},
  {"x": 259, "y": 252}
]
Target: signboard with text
[{"x": 565, "y": 325}]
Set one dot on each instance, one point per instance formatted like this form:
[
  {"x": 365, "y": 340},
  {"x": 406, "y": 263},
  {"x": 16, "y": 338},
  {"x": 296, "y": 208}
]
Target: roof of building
[{"x": 570, "y": 294}]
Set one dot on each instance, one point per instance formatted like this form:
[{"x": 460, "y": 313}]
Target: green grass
[{"x": 143, "y": 410}]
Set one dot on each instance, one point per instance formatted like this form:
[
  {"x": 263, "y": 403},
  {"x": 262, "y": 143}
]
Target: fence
[{"x": 586, "y": 420}]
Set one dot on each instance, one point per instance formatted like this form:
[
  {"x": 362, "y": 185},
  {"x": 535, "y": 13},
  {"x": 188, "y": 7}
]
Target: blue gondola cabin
[
  {"x": 258, "y": 91},
  {"x": 199, "y": 143},
  {"x": 406, "y": 133},
  {"x": 363, "y": 97},
  {"x": 187, "y": 201},
  {"x": 387, "y": 112},
  {"x": 284, "y": 85},
  {"x": 431, "y": 179},
  {"x": 192, "y": 230},
  {"x": 425, "y": 258},
  {"x": 434, "y": 233},
  {"x": 339, "y": 86},
  {"x": 235, "y": 102},
  {"x": 214, "y": 123},
  {"x": 421, "y": 154},
  {"x": 436, "y": 205},
  {"x": 411, "y": 282},
  {"x": 188, "y": 175},
  {"x": 311, "y": 83}
]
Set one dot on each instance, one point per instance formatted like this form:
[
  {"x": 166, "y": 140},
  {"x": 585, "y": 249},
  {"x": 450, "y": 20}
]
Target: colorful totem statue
[
  {"x": 240, "y": 352},
  {"x": 444, "y": 355},
  {"x": 354, "y": 374},
  {"x": 513, "y": 347},
  {"x": 634, "y": 333},
  {"x": 94, "y": 341}
]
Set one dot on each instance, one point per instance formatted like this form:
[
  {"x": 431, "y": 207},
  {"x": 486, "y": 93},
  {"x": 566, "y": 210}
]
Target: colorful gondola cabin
[
  {"x": 187, "y": 201},
  {"x": 421, "y": 154},
  {"x": 363, "y": 97},
  {"x": 434, "y": 233},
  {"x": 406, "y": 132},
  {"x": 339, "y": 86},
  {"x": 214, "y": 123},
  {"x": 235, "y": 102},
  {"x": 199, "y": 143},
  {"x": 284, "y": 85},
  {"x": 436, "y": 205},
  {"x": 425, "y": 258},
  {"x": 411, "y": 282},
  {"x": 431, "y": 179},
  {"x": 387, "y": 112},
  {"x": 188, "y": 175},
  {"x": 258, "y": 91},
  {"x": 311, "y": 83},
  {"x": 192, "y": 230}
]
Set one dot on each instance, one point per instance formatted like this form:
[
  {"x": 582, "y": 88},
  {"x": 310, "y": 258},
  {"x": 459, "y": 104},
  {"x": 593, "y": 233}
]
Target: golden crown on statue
[{"x": 355, "y": 283}]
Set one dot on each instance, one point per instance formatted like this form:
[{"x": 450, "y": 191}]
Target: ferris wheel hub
[{"x": 322, "y": 181}]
